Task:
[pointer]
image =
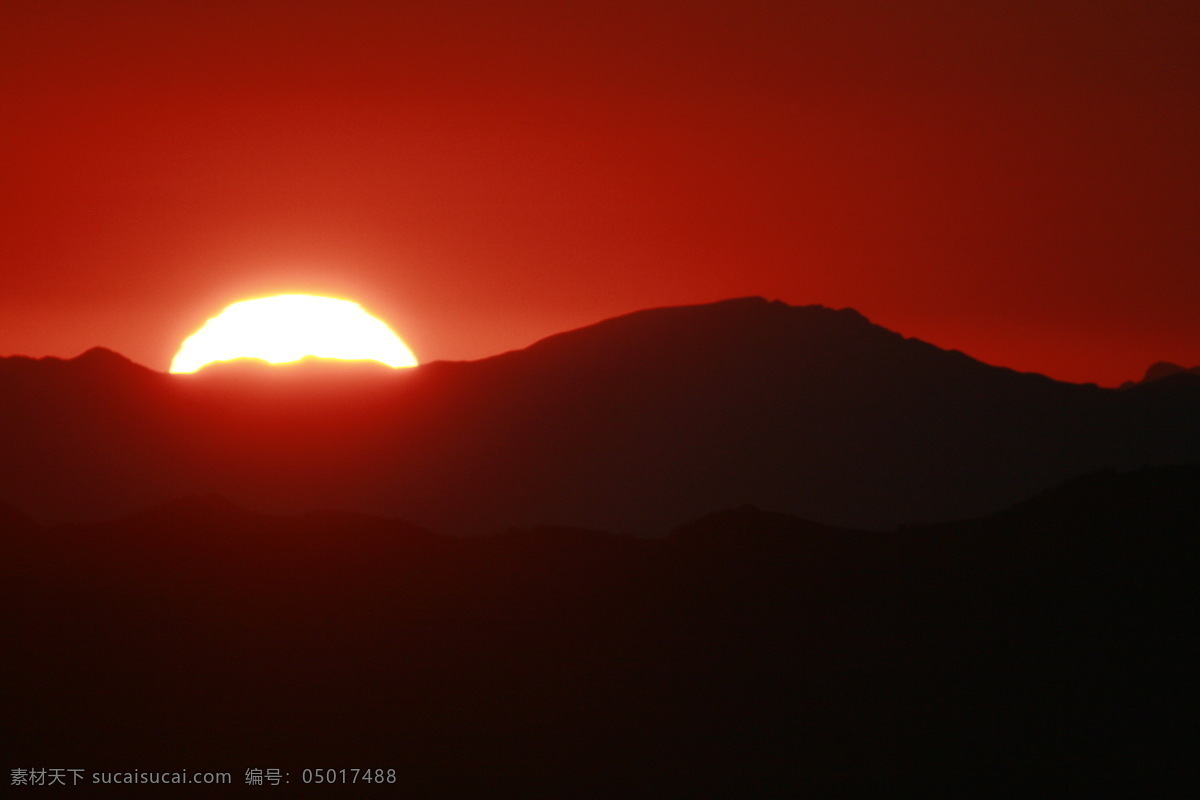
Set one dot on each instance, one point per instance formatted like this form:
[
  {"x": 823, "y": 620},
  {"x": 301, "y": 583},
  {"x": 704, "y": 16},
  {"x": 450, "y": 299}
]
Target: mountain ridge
[
  {"x": 1139, "y": 489},
  {"x": 987, "y": 658},
  {"x": 98, "y": 356},
  {"x": 756, "y": 304},
  {"x": 630, "y": 425}
]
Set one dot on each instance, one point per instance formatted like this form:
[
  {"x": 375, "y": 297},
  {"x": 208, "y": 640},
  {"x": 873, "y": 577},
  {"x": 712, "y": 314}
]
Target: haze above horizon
[{"x": 1016, "y": 181}]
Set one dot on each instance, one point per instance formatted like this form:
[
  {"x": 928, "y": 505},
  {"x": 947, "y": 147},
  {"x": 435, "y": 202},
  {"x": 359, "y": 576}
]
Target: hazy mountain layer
[{"x": 1041, "y": 651}]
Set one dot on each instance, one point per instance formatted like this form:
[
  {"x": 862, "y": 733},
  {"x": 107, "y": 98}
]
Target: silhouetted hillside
[
  {"x": 1160, "y": 370},
  {"x": 748, "y": 520},
  {"x": 1165, "y": 498},
  {"x": 1042, "y": 650},
  {"x": 628, "y": 425}
]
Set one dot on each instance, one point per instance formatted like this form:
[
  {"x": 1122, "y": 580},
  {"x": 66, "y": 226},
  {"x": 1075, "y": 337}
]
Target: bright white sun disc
[{"x": 288, "y": 327}]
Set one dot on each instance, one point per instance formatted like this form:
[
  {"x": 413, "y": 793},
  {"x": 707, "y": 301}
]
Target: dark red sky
[{"x": 1017, "y": 180}]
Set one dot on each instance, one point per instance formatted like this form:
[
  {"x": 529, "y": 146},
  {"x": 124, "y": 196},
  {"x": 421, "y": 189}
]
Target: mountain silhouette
[
  {"x": 629, "y": 425},
  {"x": 217, "y": 569},
  {"x": 748, "y": 519},
  {"x": 1159, "y": 370},
  {"x": 750, "y": 653}
]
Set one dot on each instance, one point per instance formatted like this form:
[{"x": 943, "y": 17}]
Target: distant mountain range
[
  {"x": 749, "y": 653},
  {"x": 632, "y": 425},
  {"x": 1162, "y": 369}
]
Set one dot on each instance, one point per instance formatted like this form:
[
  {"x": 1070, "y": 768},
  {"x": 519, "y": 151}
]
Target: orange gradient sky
[{"x": 1015, "y": 180}]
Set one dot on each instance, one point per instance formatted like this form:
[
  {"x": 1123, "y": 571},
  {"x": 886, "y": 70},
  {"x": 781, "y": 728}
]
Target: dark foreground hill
[
  {"x": 628, "y": 425},
  {"x": 1041, "y": 652}
]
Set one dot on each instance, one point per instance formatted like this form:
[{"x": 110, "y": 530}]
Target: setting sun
[{"x": 288, "y": 327}]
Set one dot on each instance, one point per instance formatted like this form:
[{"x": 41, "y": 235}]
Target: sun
[{"x": 288, "y": 327}]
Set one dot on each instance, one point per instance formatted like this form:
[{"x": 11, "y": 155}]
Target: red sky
[{"x": 1017, "y": 180}]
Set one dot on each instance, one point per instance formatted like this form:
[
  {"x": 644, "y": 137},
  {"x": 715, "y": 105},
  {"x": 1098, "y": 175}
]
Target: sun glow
[{"x": 288, "y": 327}]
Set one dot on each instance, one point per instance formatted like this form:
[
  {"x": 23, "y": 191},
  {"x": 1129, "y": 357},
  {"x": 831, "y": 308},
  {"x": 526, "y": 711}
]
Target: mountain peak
[
  {"x": 726, "y": 329},
  {"x": 1164, "y": 369},
  {"x": 95, "y": 363},
  {"x": 100, "y": 355},
  {"x": 103, "y": 362},
  {"x": 1160, "y": 370},
  {"x": 759, "y": 304}
]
